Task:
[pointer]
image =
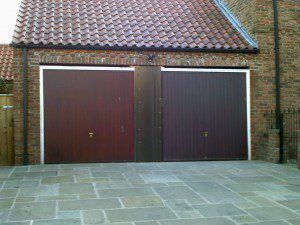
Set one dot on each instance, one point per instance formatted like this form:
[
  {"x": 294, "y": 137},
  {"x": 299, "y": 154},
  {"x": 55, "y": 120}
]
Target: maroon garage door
[
  {"x": 204, "y": 116},
  {"x": 88, "y": 116}
]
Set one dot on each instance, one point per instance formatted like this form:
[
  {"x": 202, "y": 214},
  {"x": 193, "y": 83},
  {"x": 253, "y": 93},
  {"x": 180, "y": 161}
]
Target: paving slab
[
  {"x": 241, "y": 188},
  {"x": 79, "y": 189},
  {"x": 115, "y": 167},
  {"x": 88, "y": 204},
  {"x": 280, "y": 195},
  {"x": 294, "y": 221},
  {"x": 185, "y": 193},
  {"x": 246, "y": 205},
  {"x": 59, "y": 179},
  {"x": 6, "y": 203},
  {"x": 92, "y": 180},
  {"x": 125, "y": 192},
  {"x": 8, "y": 192},
  {"x": 159, "y": 178},
  {"x": 21, "y": 183},
  {"x": 292, "y": 204},
  {"x": 183, "y": 209},
  {"x": 207, "y": 187},
  {"x": 42, "y": 190},
  {"x": 142, "y": 201},
  {"x": 254, "y": 179},
  {"x": 112, "y": 185},
  {"x": 215, "y": 210},
  {"x": 4, "y": 213},
  {"x": 147, "y": 223},
  {"x": 177, "y": 192},
  {"x": 68, "y": 214},
  {"x": 244, "y": 219},
  {"x": 223, "y": 197},
  {"x": 271, "y": 213},
  {"x": 32, "y": 211},
  {"x": 93, "y": 217},
  {"x": 58, "y": 222},
  {"x": 107, "y": 174},
  {"x": 77, "y": 172},
  {"x": 56, "y": 198},
  {"x": 17, "y": 223},
  {"x": 200, "y": 221},
  {"x": 295, "y": 188},
  {"x": 280, "y": 222},
  {"x": 261, "y": 201},
  {"x": 33, "y": 174},
  {"x": 139, "y": 214},
  {"x": 145, "y": 167},
  {"x": 6, "y": 172}
]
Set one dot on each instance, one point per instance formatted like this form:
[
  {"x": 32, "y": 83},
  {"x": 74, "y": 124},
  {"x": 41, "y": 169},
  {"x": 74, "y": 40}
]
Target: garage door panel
[
  {"x": 182, "y": 120},
  {"x": 78, "y": 103},
  {"x": 199, "y": 103},
  {"x": 228, "y": 117}
]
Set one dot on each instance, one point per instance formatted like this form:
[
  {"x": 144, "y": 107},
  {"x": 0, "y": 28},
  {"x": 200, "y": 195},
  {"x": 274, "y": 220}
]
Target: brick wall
[
  {"x": 262, "y": 71},
  {"x": 269, "y": 148},
  {"x": 289, "y": 32},
  {"x": 244, "y": 11},
  {"x": 257, "y": 16}
]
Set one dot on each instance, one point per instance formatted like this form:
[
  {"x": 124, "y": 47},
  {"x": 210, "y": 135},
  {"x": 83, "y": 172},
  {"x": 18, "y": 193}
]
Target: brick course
[{"x": 262, "y": 70}]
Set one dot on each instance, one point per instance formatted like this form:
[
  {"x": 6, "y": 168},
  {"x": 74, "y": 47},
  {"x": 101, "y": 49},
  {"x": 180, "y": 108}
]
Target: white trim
[
  {"x": 42, "y": 115},
  {"x": 204, "y": 70},
  {"x": 247, "y": 73},
  {"x": 85, "y": 68},
  {"x": 248, "y": 96},
  {"x": 42, "y": 68}
]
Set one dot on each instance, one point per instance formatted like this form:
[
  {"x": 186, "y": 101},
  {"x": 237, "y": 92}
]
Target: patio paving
[{"x": 187, "y": 193}]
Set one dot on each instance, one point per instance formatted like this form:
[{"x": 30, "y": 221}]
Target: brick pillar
[
  {"x": 269, "y": 150},
  {"x": 298, "y": 149}
]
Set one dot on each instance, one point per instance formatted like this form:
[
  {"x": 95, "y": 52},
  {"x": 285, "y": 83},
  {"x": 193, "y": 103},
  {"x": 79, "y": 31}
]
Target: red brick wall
[
  {"x": 257, "y": 16},
  {"x": 261, "y": 65}
]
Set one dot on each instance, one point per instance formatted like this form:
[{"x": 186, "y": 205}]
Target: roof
[
  {"x": 6, "y": 62},
  {"x": 125, "y": 24}
]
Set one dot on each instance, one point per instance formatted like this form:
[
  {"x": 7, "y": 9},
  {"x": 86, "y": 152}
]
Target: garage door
[
  {"x": 204, "y": 115},
  {"x": 88, "y": 115}
]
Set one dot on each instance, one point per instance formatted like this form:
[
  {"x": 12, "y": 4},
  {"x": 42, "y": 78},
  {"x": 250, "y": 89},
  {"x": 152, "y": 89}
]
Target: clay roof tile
[{"x": 161, "y": 23}]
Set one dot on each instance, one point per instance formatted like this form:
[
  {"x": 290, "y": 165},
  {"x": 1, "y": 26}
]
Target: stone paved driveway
[{"x": 192, "y": 193}]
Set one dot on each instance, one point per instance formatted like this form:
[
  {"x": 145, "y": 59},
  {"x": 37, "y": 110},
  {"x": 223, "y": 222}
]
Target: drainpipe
[
  {"x": 279, "y": 118},
  {"x": 25, "y": 100}
]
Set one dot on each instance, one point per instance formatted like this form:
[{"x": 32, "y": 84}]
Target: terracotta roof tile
[
  {"x": 6, "y": 62},
  {"x": 127, "y": 23}
]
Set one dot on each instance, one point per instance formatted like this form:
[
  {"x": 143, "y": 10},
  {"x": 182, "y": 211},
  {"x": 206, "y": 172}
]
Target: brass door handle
[
  {"x": 91, "y": 135},
  {"x": 205, "y": 134}
]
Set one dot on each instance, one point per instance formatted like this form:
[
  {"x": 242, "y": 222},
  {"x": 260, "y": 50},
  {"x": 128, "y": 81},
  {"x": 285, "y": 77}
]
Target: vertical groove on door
[
  {"x": 199, "y": 102},
  {"x": 77, "y": 103}
]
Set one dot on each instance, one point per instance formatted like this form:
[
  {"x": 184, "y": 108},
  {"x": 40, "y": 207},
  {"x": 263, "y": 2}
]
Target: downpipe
[
  {"x": 279, "y": 116},
  {"x": 25, "y": 103}
]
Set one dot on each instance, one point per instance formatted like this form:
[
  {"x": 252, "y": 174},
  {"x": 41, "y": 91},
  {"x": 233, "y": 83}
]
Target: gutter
[
  {"x": 279, "y": 116},
  {"x": 25, "y": 101},
  {"x": 137, "y": 49}
]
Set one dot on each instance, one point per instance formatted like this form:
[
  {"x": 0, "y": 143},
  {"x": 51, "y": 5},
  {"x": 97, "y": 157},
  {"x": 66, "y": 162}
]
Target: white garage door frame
[
  {"x": 42, "y": 68},
  {"x": 247, "y": 74}
]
